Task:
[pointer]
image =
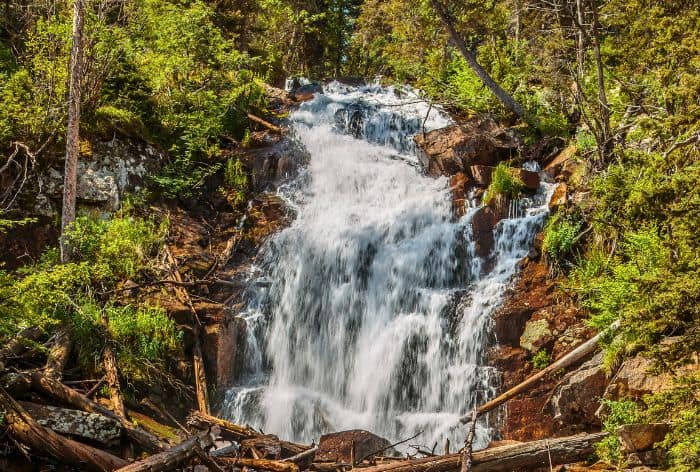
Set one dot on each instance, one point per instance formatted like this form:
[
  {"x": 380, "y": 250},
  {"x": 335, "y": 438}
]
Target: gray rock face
[
  {"x": 578, "y": 398},
  {"x": 76, "y": 423},
  {"x": 114, "y": 168}
]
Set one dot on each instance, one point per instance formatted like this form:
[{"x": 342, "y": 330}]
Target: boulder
[
  {"x": 482, "y": 225},
  {"x": 336, "y": 447},
  {"x": 453, "y": 149},
  {"x": 559, "y": 197},
  {"x": 635, "y": 378},
  {"x": 556, "y": 165},
  {"x": 577, "y": 399},
  {"x": 641, "y": 437},
  {"x": 534, "y": 334},
  {"x": 530, "y": 179},
  {"x": 481, "y": 174},
  {"x": 459, "y": 185},
  {"x": 306, "y": 92}
]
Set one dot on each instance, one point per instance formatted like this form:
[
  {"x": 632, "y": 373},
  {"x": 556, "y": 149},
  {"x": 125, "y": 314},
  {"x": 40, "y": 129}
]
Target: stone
[
  {"x": 75, "y": 422},
  {"x": 481, "y": 174},
  {"x": 306, "y": 92},
  {"x": 336, "y": 447},
  {"x": 530, "y": 179},
  {"x": 483, "y": 223},
  {"x": 453, "y": 149},
  {"x": 533, "y": 333},
  {"x": 555, "y": 166},
  {"x": 577, "y": 399},
  {"x": 559, "y": 197},
  {"x": 641, "y": 437},
  {"x": 459, "y": 184}
]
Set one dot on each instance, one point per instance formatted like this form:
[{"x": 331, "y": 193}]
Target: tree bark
[
  {"x": 59, "y": 353},
  {"x": 261, "y": 464},
  {"x": 75, "y": 422},
  {"x": 168, "y": 460},
  {"x": 27, "y": 431},
  {"x": 73, "y": 128},
  {"x": 109, "y": 361},
  {"x": 57, "y": 390},
  {"x": 17, "y": 345},
  {"x": 605, "y": 144},
  {"x": 200, "y": 376},
  {"x": 567, "y": 360},
  {"x": 505, "y": 458},
  {"x": 470, "y": 56}
]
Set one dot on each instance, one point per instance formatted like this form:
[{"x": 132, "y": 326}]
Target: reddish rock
[
  {"x": 336, "y": 447},
  {"x": 558, "y": 198},
  {"x": 641, "y": 437},
  {"x": 557, "y": 164},
  {"x": 482, "y": 224},
  {"x": 481, "y": 174},
  {"x": 225, "y": 349},
  {"x": 459, "y": 184},
  {"x": 453, "y": 149},
  {"x": 531, "y": 180}
]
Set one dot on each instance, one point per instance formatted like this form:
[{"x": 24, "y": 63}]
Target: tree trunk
[
  {"x": 73, "y": 127},
  {"x": 59, "y": 353},
  {"x": 200, "y": 376},
  {"x": 75, "y": 422},
  {"x": 17, "y": 345},
  {"x": 109, "y": 361},
  {"x": 604, "y": 144},
  {"x": 27, "y": 431},
  {"x": 470, "y": 56},
  {"x": 170, "y": 459},
  {"x": 567, "y": 360},
  {"x": 581, "y": 48},
  {"x": 505, "y": 458},
  {"x": 57, "y": 390}
]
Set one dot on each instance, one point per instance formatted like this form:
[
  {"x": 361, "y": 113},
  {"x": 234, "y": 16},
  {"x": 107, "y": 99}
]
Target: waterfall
[{"x": 371, "y": 310}]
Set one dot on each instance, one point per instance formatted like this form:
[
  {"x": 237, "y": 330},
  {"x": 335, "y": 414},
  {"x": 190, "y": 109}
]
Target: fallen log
[
  {"x": 567, "y": 360},
  {"x": 505, "y": 458},
  {"x": 239, "y": 433},
  {"x": 264, "y": 123},
  {"x": 169, "y": 459},
  {"x": 27, "y": 431},
  {"x": 59, "y": 353},
  {"x": 109, "y": 361},
  {"x": 91, "y": 426},
  {"x": 60, "y": 392},
  {"x": 260, "y": 464},
  {"x": 18, "y": 344},
  {"x": 302, "y": 456}
]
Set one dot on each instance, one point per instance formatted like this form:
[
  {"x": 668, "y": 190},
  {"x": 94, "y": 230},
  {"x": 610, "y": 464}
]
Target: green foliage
[
  {"x": 560, "y": 235},
  {"x": 235, "y": 181},
  {"x": 505, "y": 183},
  {"x": 541, "y": 359},
  {"x": 618, "y": 413}
]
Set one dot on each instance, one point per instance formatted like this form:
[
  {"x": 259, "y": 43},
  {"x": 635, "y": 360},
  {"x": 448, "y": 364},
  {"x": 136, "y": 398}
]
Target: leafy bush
[
  {"x": 504, "y": 182},
  {"x": 541, "y": 359},
  {"x": 560, "y": 235},
  {"x": 619, "y": 413}
]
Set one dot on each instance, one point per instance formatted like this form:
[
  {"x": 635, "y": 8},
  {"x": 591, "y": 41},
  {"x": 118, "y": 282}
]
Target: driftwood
[
  {"x": 59, "y": 353},
  {"x": 200, "y": 377},
  {"x": 169, "y": 459},
  {"x": 240, "y": 433},
  {"x": 261, "y": 464},
  {"x": 302, "y": 456},
  {"x": 505, "y": 458},
  {"x": 27, "y": 431},
  {"x": 57, "y": 390},
  {"x": 567, "y": 360},
  {"x": 75, "y": 422},
  {"x": 467, "y": 452}
]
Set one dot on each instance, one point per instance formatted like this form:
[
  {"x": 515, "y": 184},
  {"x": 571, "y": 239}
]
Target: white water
[{"x": 371, "y": 311}]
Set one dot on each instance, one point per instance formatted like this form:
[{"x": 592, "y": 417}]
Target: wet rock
[
  {"x": 453, "y": 149},
  {"x": 306, "y": 92},
  {"x": 276, "y": 163},
  {"x": 459, "y": 185},
  {"x": 482, "y": 225},
  {"x": 533, "y": 335},
  {"x": 641, "y": 437},
  {"x": 336, "y": 447},
  {"x": 481, "y": 174},
  {"x": 559, "y": 197},
  {"x": 228, "y": 341},
  {"x": 531, "y": 180},
  {"x": 576, "y": 400}
]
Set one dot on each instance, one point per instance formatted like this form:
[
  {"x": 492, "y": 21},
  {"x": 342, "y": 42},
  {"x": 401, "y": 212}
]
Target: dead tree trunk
[
  {"x": 200, "y": 376},
  {"x": 59, "y": 353},
  {"x": 469, "y": 55},
  {"x": 27, "y": 431},
  {"x": 57, "y": 390},
  {"x": 170, "y": 459},
  {"x": 73, "y": 128},
  {"x": 505, "y": 458},
  {"x": 109, "y": 361}
]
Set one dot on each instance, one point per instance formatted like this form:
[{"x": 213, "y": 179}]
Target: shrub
[
  {"x": 619, "y": 413},
  {"x": 560, "y": 235},
  {"x": 504, "y": 183}
]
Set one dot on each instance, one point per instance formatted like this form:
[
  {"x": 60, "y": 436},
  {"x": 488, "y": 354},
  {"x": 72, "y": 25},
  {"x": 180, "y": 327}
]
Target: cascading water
[{"x": 371, "y": 310}]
